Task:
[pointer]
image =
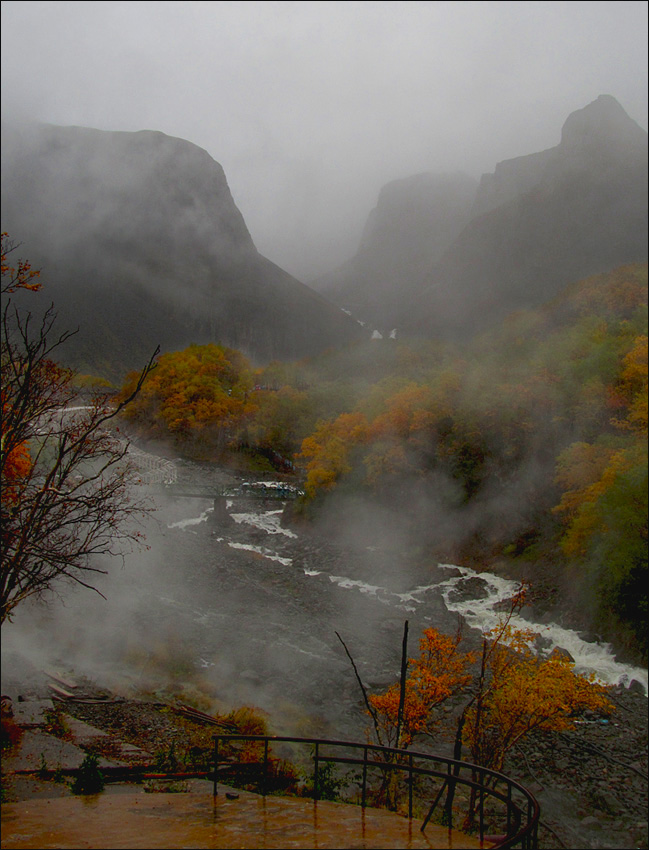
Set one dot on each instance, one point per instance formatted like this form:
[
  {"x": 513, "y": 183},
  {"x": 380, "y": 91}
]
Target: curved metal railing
[{"x": 520, "y": 810}]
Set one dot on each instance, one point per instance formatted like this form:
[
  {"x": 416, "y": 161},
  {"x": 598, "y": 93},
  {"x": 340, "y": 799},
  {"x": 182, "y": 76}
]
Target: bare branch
[
  {"x": 67, "y": 491},
  {"x": 364, "y": 692}
]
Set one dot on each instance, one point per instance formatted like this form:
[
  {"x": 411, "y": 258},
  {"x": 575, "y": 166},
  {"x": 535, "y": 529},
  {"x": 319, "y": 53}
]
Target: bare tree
[{"x": 67, "y": 484}]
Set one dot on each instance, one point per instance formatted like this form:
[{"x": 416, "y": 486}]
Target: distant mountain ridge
[
  {"x": 141, "y": 244},
  {"x": 536, "y": 224}
]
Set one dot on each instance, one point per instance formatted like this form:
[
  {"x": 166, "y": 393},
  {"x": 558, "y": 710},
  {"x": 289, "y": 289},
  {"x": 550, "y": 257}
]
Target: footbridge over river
[
  {"x": 162, "y": 475},
  {"x": 150, "y": 469},
  {"x": 260, "y": 490}
]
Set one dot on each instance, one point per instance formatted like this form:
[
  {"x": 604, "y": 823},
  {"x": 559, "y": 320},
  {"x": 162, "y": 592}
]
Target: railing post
[
  {"x": 315, "y": 773},
  {"x": 216, "y": 762},
  {"x": 263, "y": 787},
  {"x": 481, "y": 806},
  {"x": 410, "y": 786},
  {"x": 531, "y": 839},
  {"x": 509, "y": 809},
  {"x": 364, "y": 776}
]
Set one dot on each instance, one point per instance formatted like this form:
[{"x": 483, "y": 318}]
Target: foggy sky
[{"x": 311, "y": 107}]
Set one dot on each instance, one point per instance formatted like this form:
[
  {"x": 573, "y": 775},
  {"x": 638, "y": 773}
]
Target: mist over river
[{"x": 234, "y": 600}]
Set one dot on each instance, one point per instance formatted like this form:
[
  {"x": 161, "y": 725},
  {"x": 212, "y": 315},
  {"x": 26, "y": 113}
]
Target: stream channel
[{"x": 254, "y": 605}]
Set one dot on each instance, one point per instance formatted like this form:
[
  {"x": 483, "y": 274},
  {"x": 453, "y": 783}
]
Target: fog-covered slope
[
  {"x": 415, "y": 220},
  {"x": 141, "y": 244},
  {"x": 439, "y": 258},
  {"x": 543, "y": 221}
]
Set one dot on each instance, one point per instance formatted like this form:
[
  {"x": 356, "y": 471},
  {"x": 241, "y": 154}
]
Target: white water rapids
[{"x": 590, "y": 657}]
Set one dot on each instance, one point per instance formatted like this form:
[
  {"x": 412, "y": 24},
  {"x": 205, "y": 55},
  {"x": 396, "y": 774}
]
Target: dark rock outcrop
[{"x": 141, "y": 244}]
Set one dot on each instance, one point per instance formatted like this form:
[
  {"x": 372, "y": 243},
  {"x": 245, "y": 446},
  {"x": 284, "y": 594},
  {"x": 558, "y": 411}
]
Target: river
[
  {"x": 261, "y": 604},
  {"x": 234, "y": 605},
  {"x": 238, "y": 604}
]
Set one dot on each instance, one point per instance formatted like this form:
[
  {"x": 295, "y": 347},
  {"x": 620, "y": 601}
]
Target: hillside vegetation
[{"x": 529, "y": 443}]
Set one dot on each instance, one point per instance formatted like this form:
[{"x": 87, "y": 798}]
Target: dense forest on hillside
[{"x": 528, "y": 443}]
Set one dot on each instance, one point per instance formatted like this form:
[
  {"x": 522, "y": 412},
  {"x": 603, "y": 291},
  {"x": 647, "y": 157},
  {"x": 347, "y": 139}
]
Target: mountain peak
[{"x": 601, "y": 123}]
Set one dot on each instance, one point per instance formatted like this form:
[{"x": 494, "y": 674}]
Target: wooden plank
[
  {"x": 60, "y": 691},
  {"x": 58, "y": 678}
]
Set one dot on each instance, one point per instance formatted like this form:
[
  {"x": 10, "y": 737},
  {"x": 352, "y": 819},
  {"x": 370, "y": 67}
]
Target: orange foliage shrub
[
  {"x": 439, "y": 672},
  {"x": 520, "y": 693}
]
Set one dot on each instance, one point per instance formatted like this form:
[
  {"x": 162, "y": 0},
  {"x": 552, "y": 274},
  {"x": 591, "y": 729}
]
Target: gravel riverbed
[{"x": 246, "y": 610}]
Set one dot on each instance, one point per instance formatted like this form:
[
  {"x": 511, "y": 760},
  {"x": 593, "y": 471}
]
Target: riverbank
[
  {"x": 591, "y": 781},
  {"x": 235, "y": 608}
]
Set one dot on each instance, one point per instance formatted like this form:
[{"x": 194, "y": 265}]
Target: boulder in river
[
  {"x": 468, "y": 589},
  {"x": 560, "y": 652}
]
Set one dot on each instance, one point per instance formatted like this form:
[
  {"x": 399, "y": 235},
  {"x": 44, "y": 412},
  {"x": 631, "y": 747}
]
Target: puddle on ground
[{"x": 198, "y": 820}]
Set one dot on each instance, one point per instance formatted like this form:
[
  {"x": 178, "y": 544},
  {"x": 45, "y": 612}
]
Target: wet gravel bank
[{"x": 251, "y": 616}]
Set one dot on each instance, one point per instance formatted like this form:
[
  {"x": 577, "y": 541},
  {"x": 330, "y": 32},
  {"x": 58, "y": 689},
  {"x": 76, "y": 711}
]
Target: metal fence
[{"x": 513, "y": 806}]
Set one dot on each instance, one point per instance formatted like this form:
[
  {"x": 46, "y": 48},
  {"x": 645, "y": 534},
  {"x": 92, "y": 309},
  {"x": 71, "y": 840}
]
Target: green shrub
[{"x": 90, "y": 780}]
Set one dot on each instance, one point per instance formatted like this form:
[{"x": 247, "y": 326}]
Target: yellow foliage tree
[
  {"x": 199, "y": 394},
  {"x": 438, "y": 673},
  {"x": 519, "y": 692},
  {"x": 328, "y": 449},
  {"x": 633, "y": 387},
  {"x": 586, "y": 472}
]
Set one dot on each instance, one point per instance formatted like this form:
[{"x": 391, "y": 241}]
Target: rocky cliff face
[
  {"x": 415, "y": 220},
  {"x": 431, "y": 267},
  {"x": 141, "y": 244},
  {"x": 543, "y": 221}
]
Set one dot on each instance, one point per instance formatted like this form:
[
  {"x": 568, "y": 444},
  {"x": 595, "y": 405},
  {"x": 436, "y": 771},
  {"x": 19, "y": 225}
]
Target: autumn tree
[
  {"x": 67, "y": 493},
  {"x": 439, "y": 672},
  {"x": 515, "y": 693},
  {"x": 280, "y": 421},
  {"x": 632, "y": 387},
  {"x": 328, "y": 450},
  {"x": 198, "y": 396},
  {"x": 519, "y": 692},
  {"x": 604, "y": 504}
]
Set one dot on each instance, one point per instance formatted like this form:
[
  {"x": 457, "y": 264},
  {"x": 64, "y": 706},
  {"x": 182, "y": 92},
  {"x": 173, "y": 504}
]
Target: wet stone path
[{"x": 198, "y": 820}]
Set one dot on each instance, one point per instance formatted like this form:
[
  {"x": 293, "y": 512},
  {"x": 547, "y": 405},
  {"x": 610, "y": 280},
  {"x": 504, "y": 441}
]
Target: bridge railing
[
  {"x": 517, "y": 810},
  {"x": 276, "y": 491},
  {"x": 150, "y": 469}
]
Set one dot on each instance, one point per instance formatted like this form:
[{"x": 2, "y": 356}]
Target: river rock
[
  {"x": 607, "y": 802},
  {"x": 469, "y": 588},
  {"x": 560, "y": 653},
  {"x": 542, "y": 644}
]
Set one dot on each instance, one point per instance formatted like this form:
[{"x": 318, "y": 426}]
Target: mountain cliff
[
  {"x": 141, "y": 244},
  {"x": 543, "y": 221},
  {"x": 536, "y": 224},
  {"x": 415, "y": 220}
]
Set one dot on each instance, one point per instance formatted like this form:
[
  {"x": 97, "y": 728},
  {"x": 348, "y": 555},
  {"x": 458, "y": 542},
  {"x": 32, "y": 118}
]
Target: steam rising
[
  {"x": 310, "y": 108},
  {"x": 243, "y": 611}
]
